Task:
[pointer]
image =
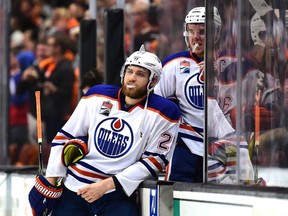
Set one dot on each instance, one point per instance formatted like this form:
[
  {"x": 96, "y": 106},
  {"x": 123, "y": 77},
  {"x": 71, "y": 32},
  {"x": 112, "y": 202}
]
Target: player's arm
[
  {"x": 94, "y": 191},
  {"x": 44, "y": 195},
  {"x": 70, "y": 143}
]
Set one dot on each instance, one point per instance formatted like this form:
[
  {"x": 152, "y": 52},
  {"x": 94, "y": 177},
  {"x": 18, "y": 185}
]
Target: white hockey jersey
[
  {"x": 226, "y": 86},
  {"x": 118, "y": 143},
  {"x": 181, "y": 78}
]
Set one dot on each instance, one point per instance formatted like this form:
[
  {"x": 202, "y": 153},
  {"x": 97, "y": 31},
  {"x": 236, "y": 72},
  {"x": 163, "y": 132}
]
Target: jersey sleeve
[
  {"x": 218, "y": 125},
  {"x": 75, "y": 127},
  {"x": 159, "y": 147}
]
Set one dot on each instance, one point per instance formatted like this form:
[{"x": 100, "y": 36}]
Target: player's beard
[{"x": 134, "y": 93}]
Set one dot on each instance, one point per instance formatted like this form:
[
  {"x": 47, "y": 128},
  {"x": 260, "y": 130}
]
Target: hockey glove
[
  {"x": 73, "y": 151},
  {"x": 222, "y": 150},
  {"x": 43, "y": 196}
]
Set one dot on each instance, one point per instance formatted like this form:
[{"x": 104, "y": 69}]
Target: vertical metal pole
[
  {"x": 93, "y": 8},
  {"x": 5, "y": 9},
  {"x": 208, "y": 61},
  {"x": 120, "y": 4},
  {"x": 239, "y": 86}
]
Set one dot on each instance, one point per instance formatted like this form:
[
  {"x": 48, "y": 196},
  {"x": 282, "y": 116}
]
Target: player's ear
[{"x": 154, "y": 81}]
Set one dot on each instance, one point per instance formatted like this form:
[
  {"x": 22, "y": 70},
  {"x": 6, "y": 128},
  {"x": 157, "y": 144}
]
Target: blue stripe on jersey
[
  {"x": 70, "y": 136},
  {"x": 79, "y": 178},
  {"x": 102, "y": 89},
  {"x": 182, "y": 135},
  {"x": 215, "y": 166},
  {"x": 231, "y": 172},
  {"x": 161, "y": 156},
  {"x": 91, "y": 168},
  {"x": 66, "y": 134},
  {"x": 176, "y": 55},
  {"x": 164, "y": 106},
  {"x": 198, "y": 130},
  {"x": 164, "y": 159},
  {"x": 153, "y": 173},
  {"x": 184, "y": 54}
]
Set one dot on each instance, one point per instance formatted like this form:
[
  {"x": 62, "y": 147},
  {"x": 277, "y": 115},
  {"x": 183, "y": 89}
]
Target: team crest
[
  {"x": 106, "y": 108},
  {"x": 194, "y": 91},
  {"x": 113, "y": 137},
  {"x": 184, "y": 66}
]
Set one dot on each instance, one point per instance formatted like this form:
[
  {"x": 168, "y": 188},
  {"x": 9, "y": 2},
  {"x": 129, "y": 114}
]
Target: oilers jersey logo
[
  {"x": 194, "y": 91},
  {"x": 113, "y": 137}
]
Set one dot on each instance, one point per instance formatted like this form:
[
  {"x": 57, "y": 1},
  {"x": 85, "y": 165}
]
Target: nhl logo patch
[
  {"x": 184, "y": 66},
  {"x": 106, "y": 108}
]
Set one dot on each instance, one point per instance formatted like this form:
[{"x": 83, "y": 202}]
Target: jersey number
[{"x": 165, "y": 142}]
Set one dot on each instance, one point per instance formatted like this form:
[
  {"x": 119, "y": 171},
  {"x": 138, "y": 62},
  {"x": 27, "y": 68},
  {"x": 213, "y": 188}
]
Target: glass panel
[{"x": 248, "y": 78}]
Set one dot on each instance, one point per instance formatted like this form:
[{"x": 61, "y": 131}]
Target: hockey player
[
  {"x": 183, "y": 80},
  {"x": 260, "y": 89},
  {"x": 115, "y": 139},
  {"x": 253, "y": 75}
]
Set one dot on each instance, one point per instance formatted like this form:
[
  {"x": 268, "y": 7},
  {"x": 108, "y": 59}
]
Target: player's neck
[{"x": 132, "y": 101}]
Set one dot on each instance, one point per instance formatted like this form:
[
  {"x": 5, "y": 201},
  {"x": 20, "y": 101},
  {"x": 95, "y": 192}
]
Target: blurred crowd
[{"x": 44, "y": 56}]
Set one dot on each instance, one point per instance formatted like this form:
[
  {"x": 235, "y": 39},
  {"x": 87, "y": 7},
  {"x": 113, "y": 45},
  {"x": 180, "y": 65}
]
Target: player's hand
[
  {"x": 222, "y": 150},
  {"x": 73, "y": 151},
  {"x": 43, "y": 196},
  {"x": 94, "y": 191},
  {"x": 202, "y": 69}
]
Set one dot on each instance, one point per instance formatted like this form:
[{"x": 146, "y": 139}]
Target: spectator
[
  {"x": 141, "y": 28},
  {"x": 91, "y": 78},
  {"x": 55, "y": 80},
  {"x": 18, "y": 109}
]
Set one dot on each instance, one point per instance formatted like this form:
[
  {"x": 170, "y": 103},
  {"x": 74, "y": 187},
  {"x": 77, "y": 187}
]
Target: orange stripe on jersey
[
  {"x": 60, "y": 137},
  {"x": 167, "y": 172},
  {"x": 99, "y": 95},
  {"x": 215, "y": 174},
  {"x": 85, "y": 173},
  {"x": 164, "y": 116},
  {"x": 231, "y": 163},
  {"x": 190, "y": 128},
  {"x": 156, "y": 163}
]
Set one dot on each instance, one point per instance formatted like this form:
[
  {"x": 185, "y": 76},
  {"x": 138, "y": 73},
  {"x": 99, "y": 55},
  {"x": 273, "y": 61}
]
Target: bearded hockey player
[{"x": 115, "y": 139}]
